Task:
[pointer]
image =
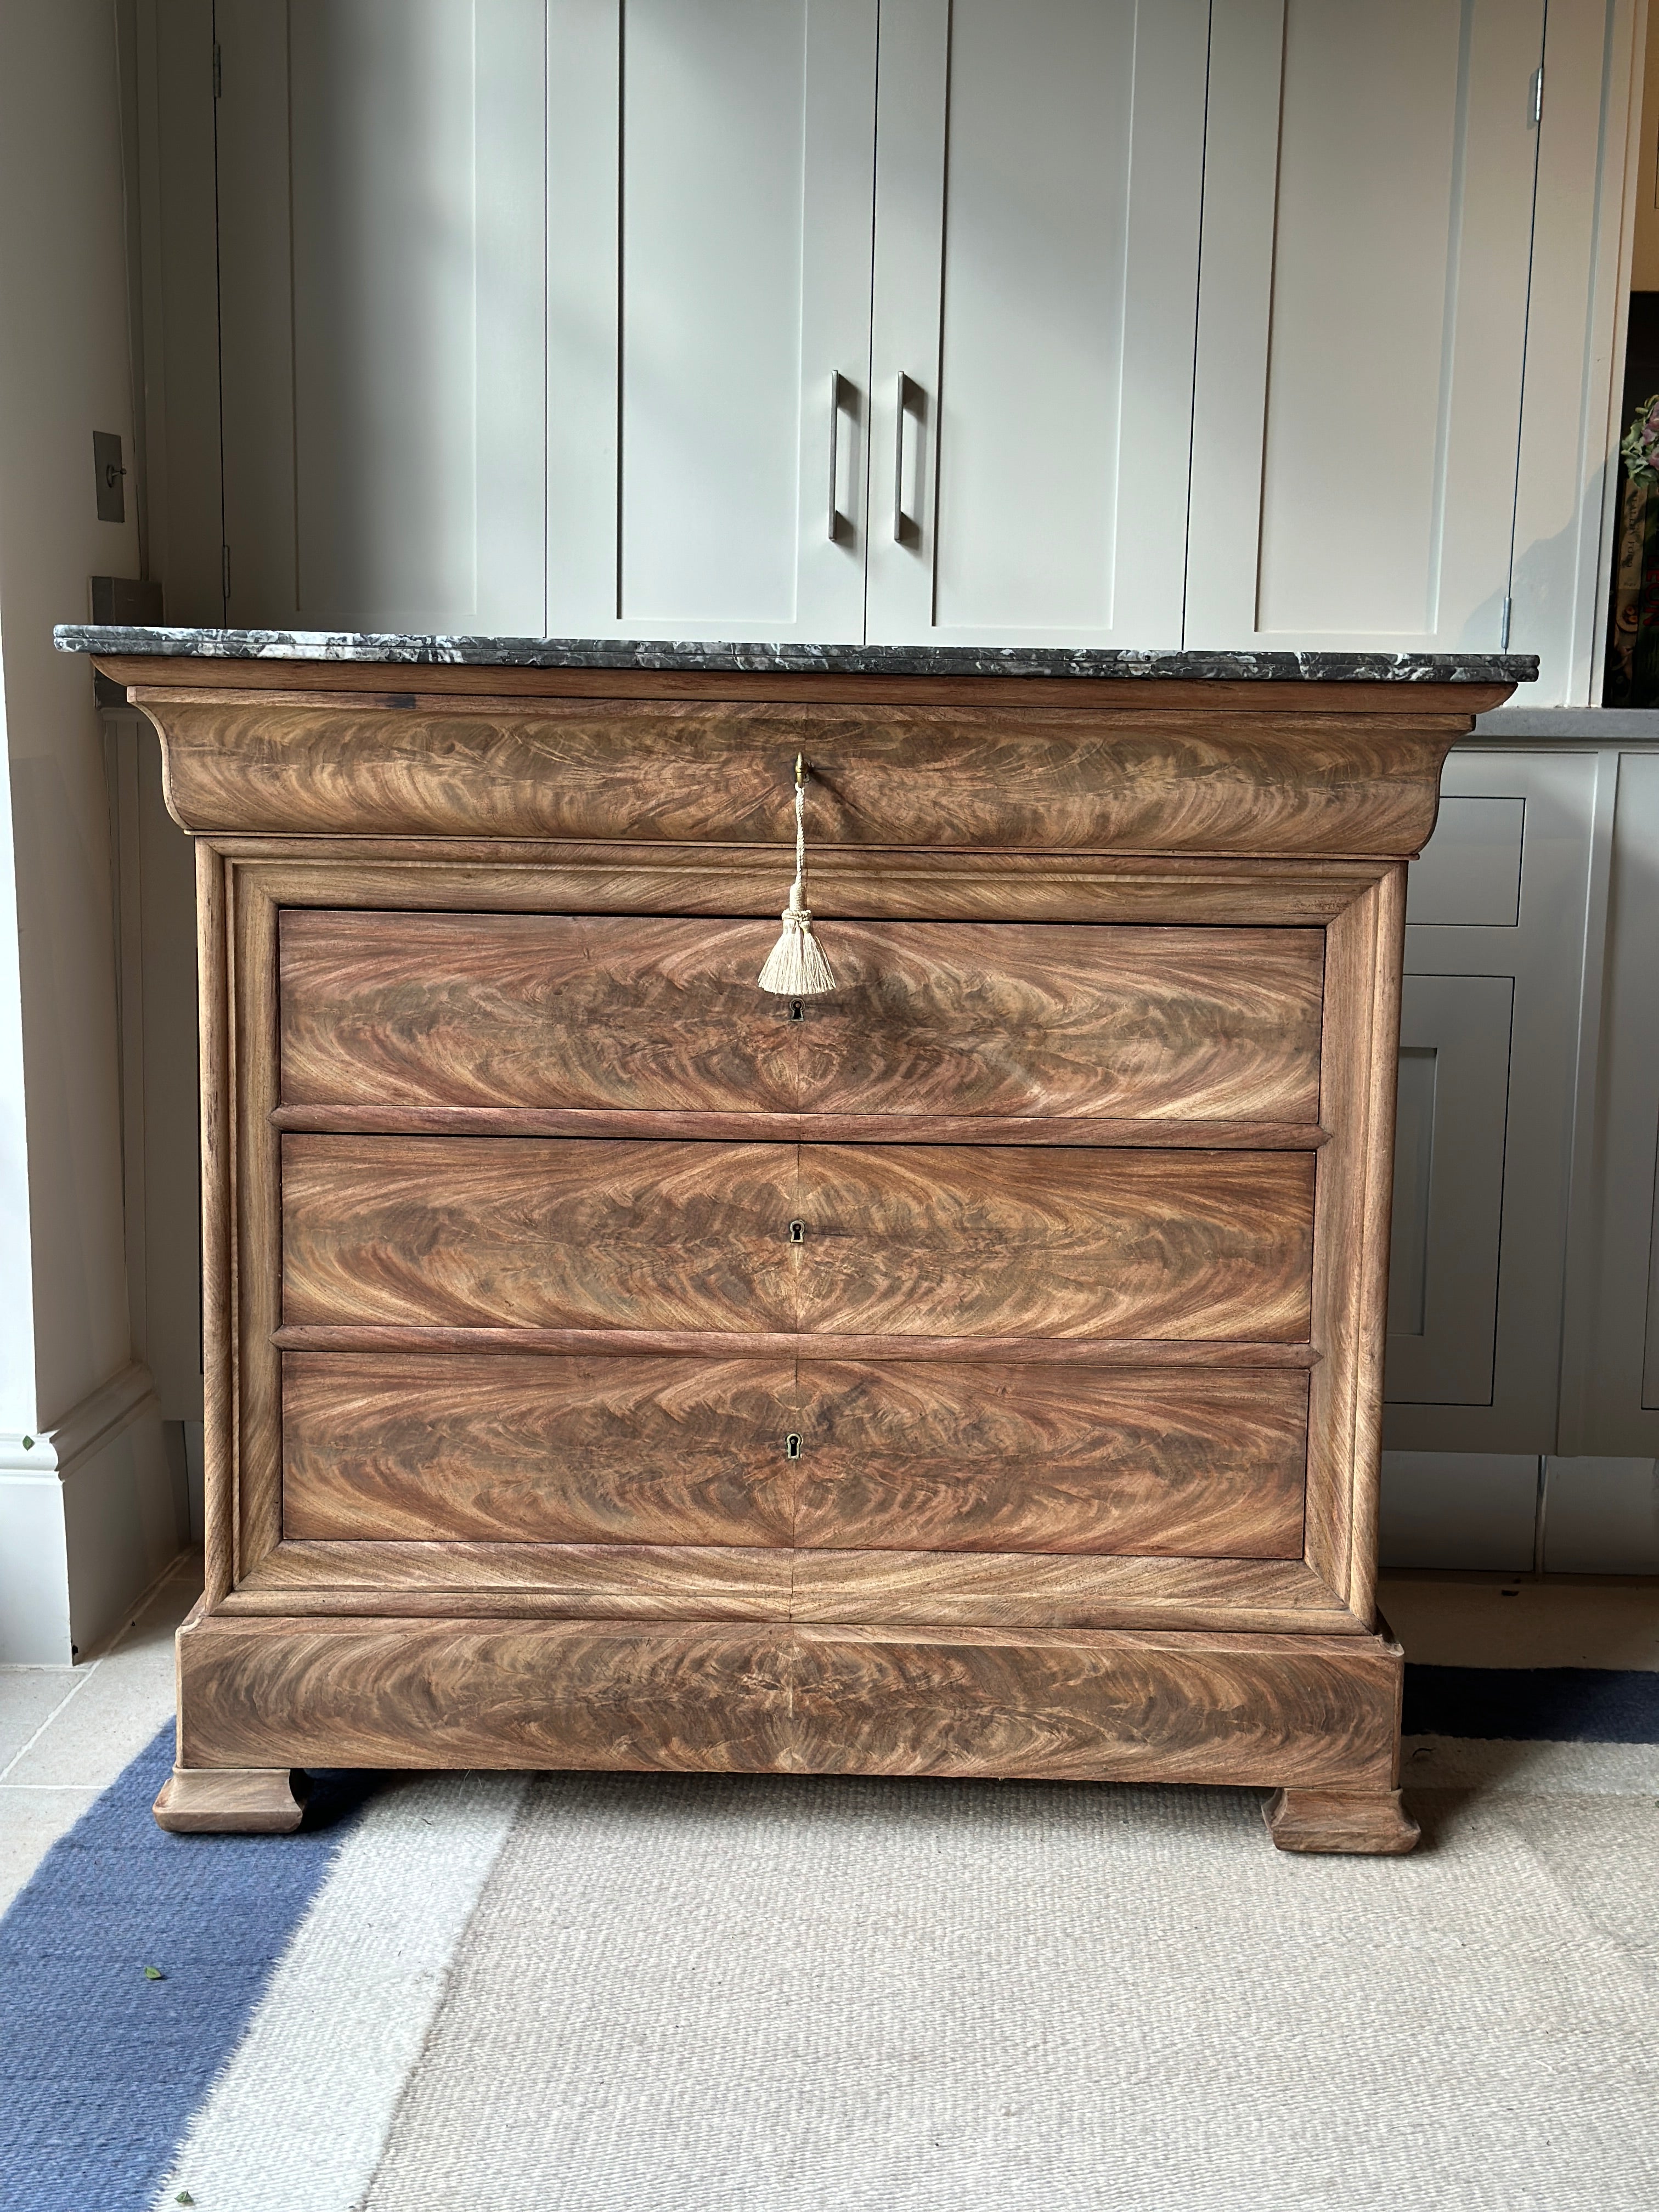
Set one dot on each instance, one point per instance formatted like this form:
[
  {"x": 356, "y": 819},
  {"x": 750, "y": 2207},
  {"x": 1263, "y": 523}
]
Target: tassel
[{"x": 796, "y": 968}]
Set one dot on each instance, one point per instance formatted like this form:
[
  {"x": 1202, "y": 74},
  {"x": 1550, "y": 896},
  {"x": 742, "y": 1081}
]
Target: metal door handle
[
  {"x": 834, "y": 434},
  {"x": 901, "y": 393}
]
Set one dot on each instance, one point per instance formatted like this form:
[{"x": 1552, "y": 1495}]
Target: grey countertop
[{"x": 717, "y": 658}]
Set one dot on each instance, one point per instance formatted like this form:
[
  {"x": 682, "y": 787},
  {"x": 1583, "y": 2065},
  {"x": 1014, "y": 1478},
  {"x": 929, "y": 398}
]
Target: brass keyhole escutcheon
[
  {"x": 798, "y": 1233},
  {"x": 792, "y": 1447}
]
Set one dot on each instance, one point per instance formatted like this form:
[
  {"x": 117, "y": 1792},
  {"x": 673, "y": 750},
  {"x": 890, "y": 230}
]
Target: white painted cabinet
[
  {"x": 529, "y": 314},
  {"x": 1611, "y": 1381},
  {"x": 381, "y": 285},
  {"x": 1036, "y": 232},
  {"x": 1497, "y": 916},
  {"x": 1523, "y": 1381},
  {"x": 710, "y": 175},
  {"x": 1368, "y": 221},
  {"x": 1455, "y": 1038},
  {"x": 1230, "y": 323}
]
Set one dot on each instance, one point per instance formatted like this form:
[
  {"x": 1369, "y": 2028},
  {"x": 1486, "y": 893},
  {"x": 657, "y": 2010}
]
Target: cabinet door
[
  {"x": 1610, "y": 1408},
  {"x": 1497, "y": 913},
  {"x": 1037, "y": 187},
  {"x": 709, "y": 181},
  {"x": 381, "y": 299},
  {"x": 1369, "y": 187}
]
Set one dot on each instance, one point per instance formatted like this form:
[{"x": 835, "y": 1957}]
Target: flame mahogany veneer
[{"x": 1045, "y": 1444}]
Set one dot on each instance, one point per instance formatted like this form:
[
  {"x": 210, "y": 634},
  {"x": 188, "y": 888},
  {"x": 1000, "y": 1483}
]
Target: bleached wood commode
[{"x": 974, "y": 1373}]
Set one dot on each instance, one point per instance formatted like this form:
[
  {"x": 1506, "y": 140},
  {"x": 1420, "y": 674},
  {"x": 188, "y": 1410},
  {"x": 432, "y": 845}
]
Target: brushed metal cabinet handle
[
  {"x": 901, "y": 393},
  {"x": 834, "y": 455}
]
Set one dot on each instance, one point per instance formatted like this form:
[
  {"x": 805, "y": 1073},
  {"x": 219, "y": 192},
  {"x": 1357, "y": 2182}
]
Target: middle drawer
[{"x": 881, "y": 1240}]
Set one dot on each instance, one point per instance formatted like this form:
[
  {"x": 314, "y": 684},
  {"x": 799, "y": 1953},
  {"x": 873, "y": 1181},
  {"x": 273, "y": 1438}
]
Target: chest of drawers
[{"x": 973, "y": 1372}]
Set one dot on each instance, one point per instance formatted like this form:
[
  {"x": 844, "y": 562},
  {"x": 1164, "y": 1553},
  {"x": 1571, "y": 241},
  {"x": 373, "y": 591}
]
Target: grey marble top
[{"x": 717, "y": 658}]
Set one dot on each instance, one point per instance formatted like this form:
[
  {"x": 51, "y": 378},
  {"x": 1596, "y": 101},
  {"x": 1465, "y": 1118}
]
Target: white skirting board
[
  {"x": 1471, "y": 1510},
  {"x": 1601, "y": 1516},
  {"x": 1510, "y": 1513},
  {"x": 91, "y": 1511}
]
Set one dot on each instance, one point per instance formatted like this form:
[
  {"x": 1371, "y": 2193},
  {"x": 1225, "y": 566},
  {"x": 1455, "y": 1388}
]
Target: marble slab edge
[{"x": 720, "y": 659}]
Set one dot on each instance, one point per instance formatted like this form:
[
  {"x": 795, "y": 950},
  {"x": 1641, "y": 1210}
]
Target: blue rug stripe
[
  {"x": 100, "y": 2070},
  {"x": 1533, "y": 1705}
]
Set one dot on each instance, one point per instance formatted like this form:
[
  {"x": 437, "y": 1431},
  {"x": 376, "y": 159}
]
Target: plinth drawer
[
  {"x": 832, "y": 1454},
  {"x": 468, "y": 1011},
  {"x": 909, "y": 1241}
]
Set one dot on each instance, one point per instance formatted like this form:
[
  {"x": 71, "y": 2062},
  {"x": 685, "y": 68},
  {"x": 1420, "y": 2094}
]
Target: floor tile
[
  {"x": 124, "y": 1697},
  {"x": 28, "y": 1697}
]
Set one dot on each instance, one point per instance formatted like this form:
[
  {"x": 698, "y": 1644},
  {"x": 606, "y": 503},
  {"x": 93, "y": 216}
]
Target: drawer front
[
  {"x": 728, "y": 1697},
  {"x": 929, "y": 1455},
  {"x": 663, "y": 1015},
  {"x": 491, "y": 1448},
  {"x": 1127, "y": 773},
  {"x": 908, "y": 1241},
  {"x": 914, "y": 1456},
  {"x": 532, "y": 1233}
]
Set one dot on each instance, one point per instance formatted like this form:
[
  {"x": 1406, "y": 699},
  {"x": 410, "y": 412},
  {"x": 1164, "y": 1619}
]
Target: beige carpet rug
[{"x": 715, "y": 1995}]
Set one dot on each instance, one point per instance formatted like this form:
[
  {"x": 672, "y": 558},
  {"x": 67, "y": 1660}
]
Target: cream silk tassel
[{"x": 797, "y": 968}]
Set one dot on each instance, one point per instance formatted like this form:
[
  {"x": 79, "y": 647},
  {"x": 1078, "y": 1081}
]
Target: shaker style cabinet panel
[
  {"x": 1497, "y": 913},
  {"x": 1453, "y": 1092},
  {"x": 1037, "y": 189},
  {"x": 1612, "y": 1399},
  {"x": 709, "y": 181},
  {"x": 1368, "y": 209},
  {"x": 381, "y": 303}
]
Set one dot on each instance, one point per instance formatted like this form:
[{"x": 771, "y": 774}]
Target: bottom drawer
[
  {"x": 914, "y": 1455},
  {"x": 1304, "y": 1711}
]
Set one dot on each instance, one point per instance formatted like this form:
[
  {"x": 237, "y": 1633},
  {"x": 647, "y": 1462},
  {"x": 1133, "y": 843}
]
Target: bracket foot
[
  {"x": 230, "y": 1801},
  {"x": 1339, "y": 1820}
]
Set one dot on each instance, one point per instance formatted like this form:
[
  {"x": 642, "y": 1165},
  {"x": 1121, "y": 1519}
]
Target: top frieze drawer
[
  {"x": 1127, "y": 777},
  {"x": 450, "y": 1013}
]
